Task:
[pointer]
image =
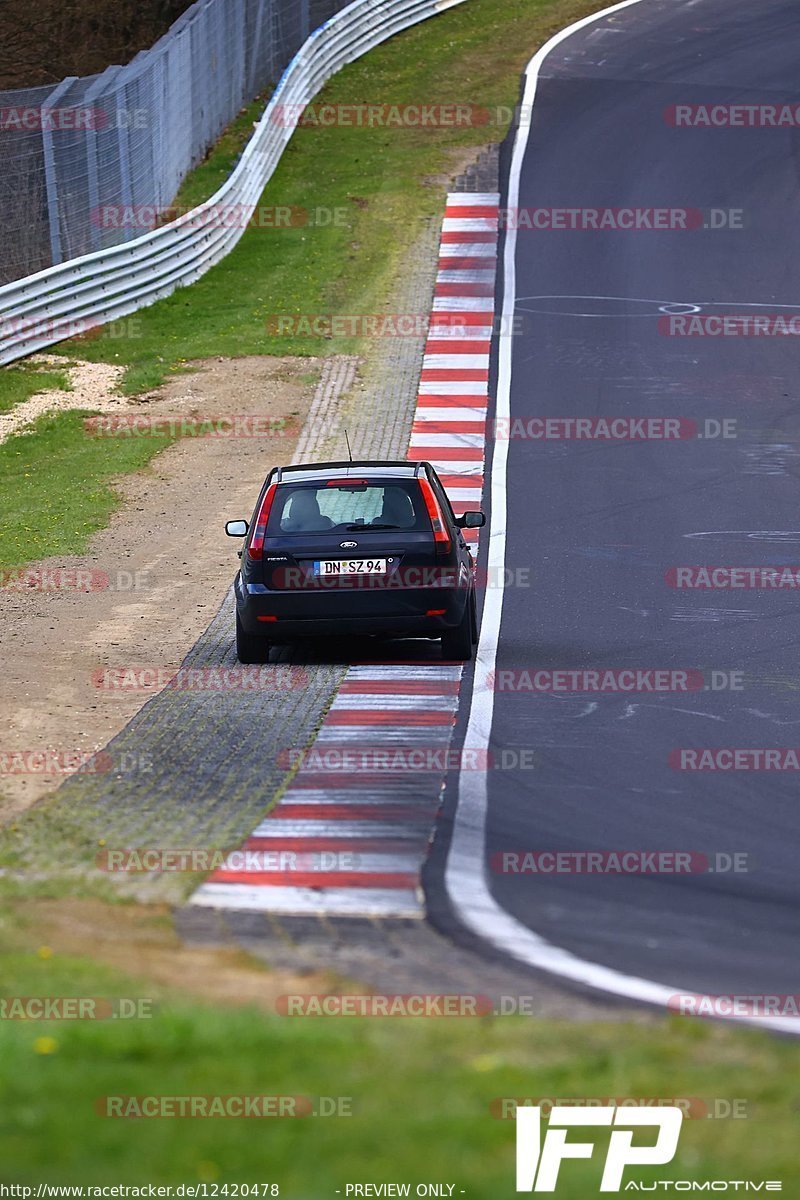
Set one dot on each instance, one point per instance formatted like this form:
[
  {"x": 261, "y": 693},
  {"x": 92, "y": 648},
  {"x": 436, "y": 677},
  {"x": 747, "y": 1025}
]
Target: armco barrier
[{"x": 43, "y": 309}]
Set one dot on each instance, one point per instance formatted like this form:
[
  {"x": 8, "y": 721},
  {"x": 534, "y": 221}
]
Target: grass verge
[
  {"x": 56, "y": 485},
  {"x": 433, "y": 1122}
]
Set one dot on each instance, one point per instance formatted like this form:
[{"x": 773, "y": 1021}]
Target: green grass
[
  {"x": 56, "y": 486},
  {"x": 420, "y": 1091},
  {"x": 20, "y": 382}
]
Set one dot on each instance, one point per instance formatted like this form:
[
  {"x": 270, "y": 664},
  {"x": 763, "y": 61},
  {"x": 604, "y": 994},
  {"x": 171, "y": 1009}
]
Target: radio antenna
[{"x": 349, "y": 451}]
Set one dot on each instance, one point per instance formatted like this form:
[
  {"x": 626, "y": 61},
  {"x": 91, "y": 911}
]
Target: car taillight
[
  {"x": 440, "y": 535},
  {"x": 255, "y": 550}
]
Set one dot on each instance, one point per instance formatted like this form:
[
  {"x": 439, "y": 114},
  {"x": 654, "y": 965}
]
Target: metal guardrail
[{"x": 56, "y": 303}]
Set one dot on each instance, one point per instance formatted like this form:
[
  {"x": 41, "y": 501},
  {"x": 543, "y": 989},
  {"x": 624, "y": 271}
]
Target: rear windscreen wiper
[{"x": 354, "y": 527}]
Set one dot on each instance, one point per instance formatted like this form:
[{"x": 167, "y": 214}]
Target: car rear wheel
[
  {"x": 249, "y": 647},
  {"x": 457, "y": 643}
]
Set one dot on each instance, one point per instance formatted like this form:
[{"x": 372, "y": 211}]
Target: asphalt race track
[{"x": 600, "y": 524}]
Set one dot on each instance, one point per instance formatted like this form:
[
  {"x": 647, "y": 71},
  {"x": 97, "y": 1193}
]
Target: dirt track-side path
[{"x": 156, "y": 574}]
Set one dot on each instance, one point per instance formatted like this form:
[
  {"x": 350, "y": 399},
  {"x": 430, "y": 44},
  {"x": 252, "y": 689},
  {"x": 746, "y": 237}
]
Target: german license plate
[{"x": 350, "y": 566}]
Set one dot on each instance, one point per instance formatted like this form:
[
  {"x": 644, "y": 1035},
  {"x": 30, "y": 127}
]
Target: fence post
[
  {"x": 123, "y": 150},
  {"x": 51, "y": 183},
  {"x": 96, "y": 89},
  {"x": 255, "y": 76}
]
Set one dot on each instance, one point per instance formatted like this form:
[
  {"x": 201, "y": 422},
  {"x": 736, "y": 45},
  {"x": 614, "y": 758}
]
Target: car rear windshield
[{"x": 347, "y": 507}]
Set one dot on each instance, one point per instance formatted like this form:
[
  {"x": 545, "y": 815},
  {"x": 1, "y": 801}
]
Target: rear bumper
[{"x": 388, "y": 613}]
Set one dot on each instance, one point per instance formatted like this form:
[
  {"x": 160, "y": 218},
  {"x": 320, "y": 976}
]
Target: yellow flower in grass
[{"x": 45, "y": 1045}]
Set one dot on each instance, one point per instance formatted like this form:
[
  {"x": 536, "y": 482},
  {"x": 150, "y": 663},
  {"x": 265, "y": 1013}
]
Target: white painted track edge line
[{"x": 465, "y": 876}]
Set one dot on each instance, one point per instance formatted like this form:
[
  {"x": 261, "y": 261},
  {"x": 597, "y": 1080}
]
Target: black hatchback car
[{"x": 354, "y": 548}]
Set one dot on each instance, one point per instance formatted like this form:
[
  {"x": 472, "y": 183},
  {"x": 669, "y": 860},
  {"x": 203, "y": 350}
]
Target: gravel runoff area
[{"x": 93, "y": 387}]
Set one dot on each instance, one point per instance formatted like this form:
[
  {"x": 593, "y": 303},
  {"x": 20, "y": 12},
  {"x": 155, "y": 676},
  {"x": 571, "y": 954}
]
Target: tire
[
  {"x": 457, "y": 643},
  {"x": 474, "y": 622},
  {"x": 249, "y": 647}
]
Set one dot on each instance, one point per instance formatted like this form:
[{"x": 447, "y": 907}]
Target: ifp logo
[{"x": 538, "y": 1161}]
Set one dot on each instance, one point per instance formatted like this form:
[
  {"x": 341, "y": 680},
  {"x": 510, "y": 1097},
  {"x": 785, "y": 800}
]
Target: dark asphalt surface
[{"x": 600, "y": 524}]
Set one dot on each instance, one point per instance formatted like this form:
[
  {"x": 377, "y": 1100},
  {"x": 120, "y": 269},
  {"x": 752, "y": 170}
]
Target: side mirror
[
  {"x": 236, "y": 528},
  {"x": 471, "y": 520}
]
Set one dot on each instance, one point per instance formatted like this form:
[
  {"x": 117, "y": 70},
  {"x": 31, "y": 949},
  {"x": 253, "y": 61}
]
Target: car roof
[{"x": 365, "y": 468}]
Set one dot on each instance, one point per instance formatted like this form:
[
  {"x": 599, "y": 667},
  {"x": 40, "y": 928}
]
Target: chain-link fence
[{"x": 92, "y": 162}]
